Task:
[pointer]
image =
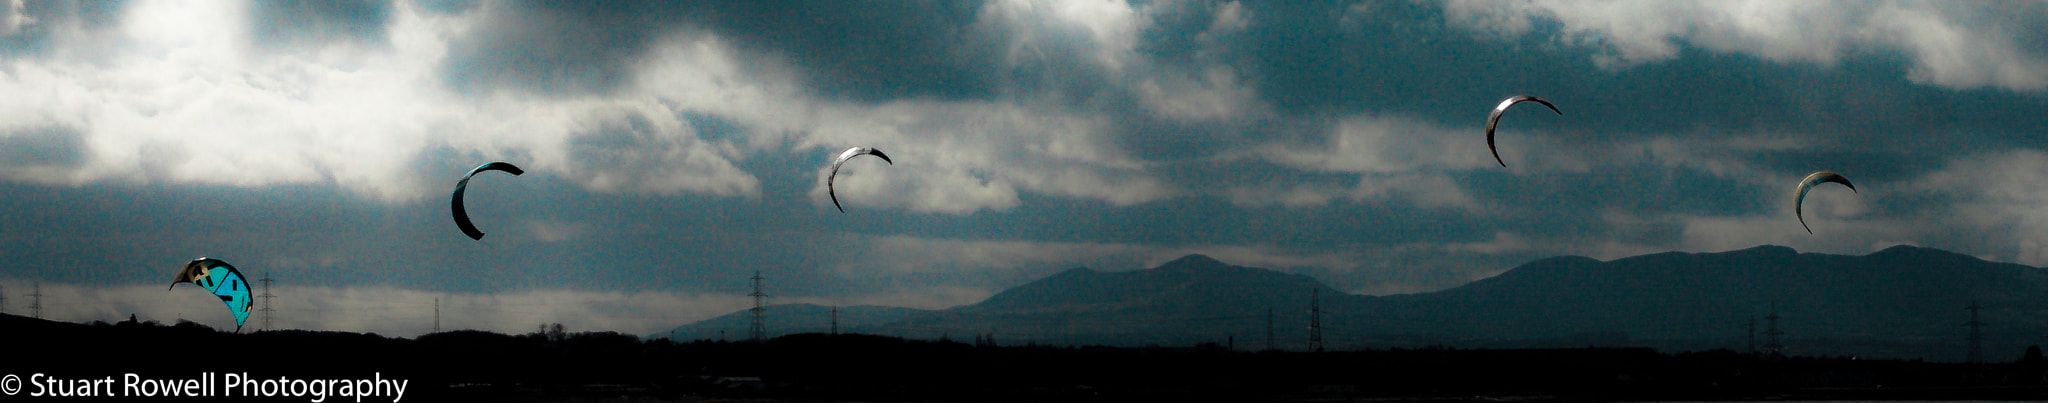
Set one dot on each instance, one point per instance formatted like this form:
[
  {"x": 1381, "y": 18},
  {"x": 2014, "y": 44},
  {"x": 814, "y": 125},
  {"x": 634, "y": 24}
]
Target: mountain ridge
[{"x": 1902, "y": 301}]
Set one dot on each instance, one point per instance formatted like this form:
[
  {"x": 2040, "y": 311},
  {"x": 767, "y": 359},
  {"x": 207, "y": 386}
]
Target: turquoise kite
[
  {"x": 455, "y": 202},
  {"x": 1812, "y": 180},
  {"x": 224, "y": 281}
]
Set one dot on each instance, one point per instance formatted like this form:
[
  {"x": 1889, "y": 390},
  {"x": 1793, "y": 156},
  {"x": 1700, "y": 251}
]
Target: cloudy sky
[{"x": 673, "y": 149}]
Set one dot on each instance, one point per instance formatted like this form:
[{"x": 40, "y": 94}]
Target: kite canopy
[
  {"x": 1493, "y": 119},
  {"x": 455, "y": 202},
  {"x": 224, "y": 281},
  {"x": 1808, "y": 183},
  {"x": 847, "y": 155}
]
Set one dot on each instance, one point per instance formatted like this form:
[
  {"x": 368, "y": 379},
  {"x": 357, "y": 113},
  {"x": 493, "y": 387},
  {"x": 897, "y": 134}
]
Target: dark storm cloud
[
  {"x": 50, "y": 147},
  {"x": 557, "y": 48},
  {"x": 288, "y": 22},
  {"x": 868, "y": 51},
  {"x": 1400, "y": 57}
]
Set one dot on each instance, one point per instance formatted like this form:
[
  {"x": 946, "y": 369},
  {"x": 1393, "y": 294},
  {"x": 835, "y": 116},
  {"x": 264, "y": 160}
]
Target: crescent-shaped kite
[
  {"x": 224, "y": 281},
  {"x": 455, "y": 203},
  {"x": 1493, "y": 119},
  {"x": 847, "y": 155},
  {"x": 1812, "y": 180}
]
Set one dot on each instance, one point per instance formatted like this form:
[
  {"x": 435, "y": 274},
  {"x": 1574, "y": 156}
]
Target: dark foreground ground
[{"x": 482, "y": 366}]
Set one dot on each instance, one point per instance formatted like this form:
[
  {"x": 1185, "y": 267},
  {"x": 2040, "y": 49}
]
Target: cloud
[
  {"x": 1949, "y": 46},
  {"x": 1396, "y": 157},
  {"x": 961, "y": 157},
  {"x": 1726, "y": 157},
  {"x": 1362, "y": 144},
  {"x": 644, "y": 148},
  {"x": 282, "y": 23},
  {"x": 195, "y": 103},
  {"x": 14, "y": 18},
  {"x": 1992, "y": 202},
  {"x": 1215, "y": 94},
  {"x": 182, "y": 99}
]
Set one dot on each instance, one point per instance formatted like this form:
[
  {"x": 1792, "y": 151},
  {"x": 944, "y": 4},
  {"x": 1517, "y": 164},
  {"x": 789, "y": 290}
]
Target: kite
[
  {"x": 1815, "y": 178},
  {"x": 224, "y": 281},
  {"x": 1493, "y": 119},
  {"x": 455, "y": 203},
  {"x": 849, "y": 154}
]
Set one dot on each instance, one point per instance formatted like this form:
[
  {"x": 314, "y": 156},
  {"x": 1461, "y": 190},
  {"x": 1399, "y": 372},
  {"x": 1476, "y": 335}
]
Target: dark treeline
[{"x": 550, "y": 365}]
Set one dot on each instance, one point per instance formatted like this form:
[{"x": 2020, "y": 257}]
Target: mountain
[
  {"x": 1189, "y": 300},
  {"x": 1901, "y": 302},
  {"x": 787, "y": 319}
]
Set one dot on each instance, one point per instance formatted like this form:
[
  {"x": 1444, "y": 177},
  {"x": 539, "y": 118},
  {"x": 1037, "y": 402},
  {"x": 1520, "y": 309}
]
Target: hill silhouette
[
  {"x": 590, "y": 366},
  {"x": 1190, "y": 300},
  {"x": 1900, "y": 302},
  {"x": 786, "y": 319},
  {"x": 1903, "y": 301}
]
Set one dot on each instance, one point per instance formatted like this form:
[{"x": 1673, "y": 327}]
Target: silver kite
[
  {"x": 847, "y": 155},
  {"x": 1493, "y": 119},
  {"x": 1808, "y": 183}
]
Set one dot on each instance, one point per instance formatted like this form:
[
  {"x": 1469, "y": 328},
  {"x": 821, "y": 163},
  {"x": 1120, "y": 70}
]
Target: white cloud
[
  {"x": 1951, "y": 45},
  {"x": 1396, "y": 158},
  {"x": 14, "y": 18},
  {"x": 182, "y": 97},
  {"x": 961, "y": 157},
  {"x": 184, "y": 100},
  {"x": 557, "y": 231},
  {"x": 1109, "y": 28},
  {"x": 1364, "y": 144},
  {"x": 1424, "y": 190},
  {"x": 1720, "y": 157},
  {"x": 1995, "y": 200},
  {"x": 1215, "y": 94},
  {"x": 1292, "y": 195}
]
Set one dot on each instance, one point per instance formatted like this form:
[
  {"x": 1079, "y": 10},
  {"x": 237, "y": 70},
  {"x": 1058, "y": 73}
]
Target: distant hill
[
  {"x": 1901, "y": 302},
  {"x": 786, "y": 319},
  {"x": 1194, "y": 299}
]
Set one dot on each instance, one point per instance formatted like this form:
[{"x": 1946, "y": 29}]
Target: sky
[{"x": 673, "y": 149}]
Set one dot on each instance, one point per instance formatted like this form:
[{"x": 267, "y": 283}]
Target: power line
[
  {"x": 1976, "y": 336},
  {"x": 437, "y": 314},
  {"x": 1269, "y": 329},
  {"x": 835, "y": 320},
  {"x": 1315, "y": 321},
  {"x": 35, "y": 301},
  {"x": 266, "y": 302},
  {"x": 1772, "y": 346},
  {"x": 3, "y": 299},
  {"x": 760, "y": 328}
]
